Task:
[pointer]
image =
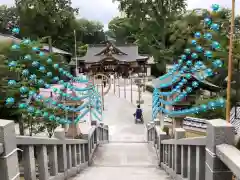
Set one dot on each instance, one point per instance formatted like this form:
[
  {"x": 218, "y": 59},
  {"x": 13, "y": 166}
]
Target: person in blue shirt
[{"x": 138, "y": 114}]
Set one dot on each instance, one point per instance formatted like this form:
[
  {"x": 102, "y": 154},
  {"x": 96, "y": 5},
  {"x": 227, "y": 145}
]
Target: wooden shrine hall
[{"x": 108, "y": 58}]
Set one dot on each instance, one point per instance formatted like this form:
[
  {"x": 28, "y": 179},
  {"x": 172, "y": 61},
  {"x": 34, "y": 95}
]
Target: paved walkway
[{"x": 128, "y": 156}]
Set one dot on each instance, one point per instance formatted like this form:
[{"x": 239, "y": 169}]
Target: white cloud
[
  {"x": 101, "y": 10},
  {"x": 193, "y": 4},
  {"x": 105, "y": 10}
]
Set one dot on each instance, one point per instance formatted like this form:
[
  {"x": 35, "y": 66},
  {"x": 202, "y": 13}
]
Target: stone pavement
[{"x": 128, "y": 156}]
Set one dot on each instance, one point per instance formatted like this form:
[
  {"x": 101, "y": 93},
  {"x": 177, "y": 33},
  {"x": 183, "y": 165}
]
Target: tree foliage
[{"x": 56, "y": 19}]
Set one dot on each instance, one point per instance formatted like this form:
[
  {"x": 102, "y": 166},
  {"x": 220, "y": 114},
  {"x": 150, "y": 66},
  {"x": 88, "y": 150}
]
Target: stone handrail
[
  {"x": 230, "y": 156},
  {"x": 42, "y": 158},
  {"x": 200, "y": 158},
  {"x": 1, "y": 148}
]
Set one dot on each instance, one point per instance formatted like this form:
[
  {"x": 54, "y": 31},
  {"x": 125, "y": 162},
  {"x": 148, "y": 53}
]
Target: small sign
[{"x": 141, "y": 102}]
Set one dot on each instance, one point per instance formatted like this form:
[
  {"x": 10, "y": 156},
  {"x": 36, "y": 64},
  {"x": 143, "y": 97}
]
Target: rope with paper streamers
[
  {"x": 27, "y": 91},
  {"x": 198, "y": 66}
]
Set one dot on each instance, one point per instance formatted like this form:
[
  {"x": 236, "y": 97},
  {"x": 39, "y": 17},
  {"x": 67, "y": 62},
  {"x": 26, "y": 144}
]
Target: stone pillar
[
  {"x": 178, "y": 122},
  {"x": 218, "y": 132},
  {"x": 9, "y": 168},
  {"x": 162, "y": 136},
  {"x": 61, "y": 151},
  {"x": 179, "y": 134},
  {"x": 157, "y": 122}
]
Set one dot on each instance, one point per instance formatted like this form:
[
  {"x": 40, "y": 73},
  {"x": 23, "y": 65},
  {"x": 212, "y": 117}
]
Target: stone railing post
[
  {"x": 218, "y": 132},
  {"x": 179, "y": 134},
  {"x": 9, "y": 168},
  {"x": 162, "y": 136},
  {"x": 61, "y": 151},
  {"x": 106, "y": 130},
  {"x": 152, "y": 131},
  {"x": 157, "y": 122}
]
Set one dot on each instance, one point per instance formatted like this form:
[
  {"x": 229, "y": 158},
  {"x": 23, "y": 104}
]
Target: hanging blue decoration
[
  {"x": 41, "y": 82},
  {"x": 215, "y": 45},
  {"x": 33, "y": 77},
  {"x": 22, "y": 106},
  {"x": 207, "y": 21},
  {"x": 35, "y": 49},
  {"x": 217, "y": 63},
  {"x": 23, "y": 90},
  {"x": 203, "y": 107},
  {"x": 60, "y": 70},
  {"x": 32, "y": 93},
  {"x": 45, "y": 115},
  {"x": 49, "y": 61},
  {"x": 208, "y": 36},
  {"x": 55, "y": 90},
  {"x": 15, "y": 30},
  {"x": 10, "y": 101},
  {"x": 56, "y": 78},
  {"x": 199, "y": 49},
  {"x": 47, "y": 86},
  {"x": 197, "y": 35},
  {"x": 183, "y": 57},
  {"x": 180, "y": 61},
  {"x": 208, "y": 54},
  {"x": 195, "y": 84},
  {"x": 188, "y": 76},
  {"x": 209, "y": 72},
  {"x": 27, "y": 57},
  {"x": 51, "y": 117},
  {"x": 215, "y": 7},
  {"x": 42, "y": 69},
  {"x": 35, "y": 63},
  {"x": 194, "y": 55},
  {"x": 38, "y": 113},
  {"x": 194, "y": 42},
  {"x": 15, "y": 47},
  {"x": 25, "y": 72},
  {"x": 49, "y": 74},
  {"x": 26, "y": 41},
  {"x": 41, "y": 54},
  {"x": 56, "y": 66},
  {"x": 12, "y": 64},
  {"x": 12, "y": 83},
  {"x": 189, "y": 63},
  {"x": 215, "y": 27},
  {"x": 30, "y": 109},
  {"x": 61, "y": 82}
]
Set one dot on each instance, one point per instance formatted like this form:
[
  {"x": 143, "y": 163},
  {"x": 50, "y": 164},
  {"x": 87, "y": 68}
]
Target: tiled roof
[
  {"x": 4, "y": 37},
  {"x": 131, "y": 52}
]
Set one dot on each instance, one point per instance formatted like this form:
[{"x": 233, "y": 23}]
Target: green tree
[
  {"x": 8, "y": 18},
  {"x": 55, "y": 18},
  {"x": 15, "y": 73},
  {"x": 153, "y": 18},
  {"x": 122, "y": 30}
]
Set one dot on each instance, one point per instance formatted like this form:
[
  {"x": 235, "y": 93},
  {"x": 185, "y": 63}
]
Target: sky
[{"x": 105, "y": 10}]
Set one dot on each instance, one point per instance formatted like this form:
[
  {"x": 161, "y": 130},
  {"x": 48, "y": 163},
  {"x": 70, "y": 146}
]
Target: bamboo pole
[
  {"x": 114, "y": 85},
  {"x": 131, "y": 91},
  {"x": 125, "y": 94},
  {"x": 119, "y": 88},
  {"x": 228, "y": 108}
]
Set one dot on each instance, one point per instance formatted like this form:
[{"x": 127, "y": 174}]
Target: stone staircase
[
  {"x": 127, "y": 156},
  {"x": 124, "y": 161}
]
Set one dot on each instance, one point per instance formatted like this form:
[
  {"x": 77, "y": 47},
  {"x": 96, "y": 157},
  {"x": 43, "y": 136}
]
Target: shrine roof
[
  {"x": 12, "y": 39},
  {"x": 125, "y": 53}
]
